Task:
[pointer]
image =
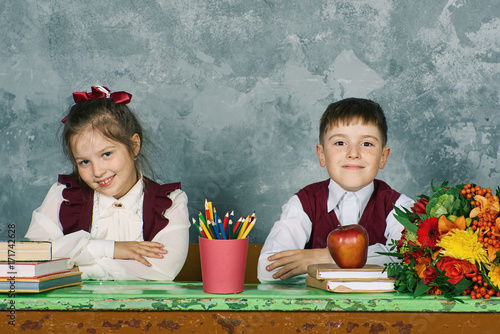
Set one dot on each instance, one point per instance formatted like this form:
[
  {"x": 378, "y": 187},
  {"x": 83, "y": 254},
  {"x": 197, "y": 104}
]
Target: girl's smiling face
[
  {"x": 352, "y": 154},
  {"x": 105, "y": 165}
]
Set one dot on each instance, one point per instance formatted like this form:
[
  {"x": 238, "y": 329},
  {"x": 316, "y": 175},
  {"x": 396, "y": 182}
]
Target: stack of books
[
  {"x": 330, "y": 277},
  {"x": 28, "y": 266}
]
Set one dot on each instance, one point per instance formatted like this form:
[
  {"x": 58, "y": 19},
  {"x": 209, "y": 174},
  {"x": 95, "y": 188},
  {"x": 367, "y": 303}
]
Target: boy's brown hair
[{"x": 353, "y": 109}]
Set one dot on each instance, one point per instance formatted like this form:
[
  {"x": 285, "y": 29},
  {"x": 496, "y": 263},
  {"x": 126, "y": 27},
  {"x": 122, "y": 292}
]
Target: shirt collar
[
  {"x": 336, "y": 192},
  {"x": 129, "y": 201}
]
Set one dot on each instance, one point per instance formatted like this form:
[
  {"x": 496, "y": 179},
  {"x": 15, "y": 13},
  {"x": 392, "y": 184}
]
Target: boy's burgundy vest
[
  {"x": 76, "y": 211},
  {"x": 314, "y": 199}
]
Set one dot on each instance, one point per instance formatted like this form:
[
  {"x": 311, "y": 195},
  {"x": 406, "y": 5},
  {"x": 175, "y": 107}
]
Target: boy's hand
[
  {"x": 294, "y": 262},
  {"x": 137, "y": 250}
]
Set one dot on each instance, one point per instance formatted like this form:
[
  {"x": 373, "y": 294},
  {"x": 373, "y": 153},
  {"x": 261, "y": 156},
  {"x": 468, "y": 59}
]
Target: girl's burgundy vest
[
  {"x": 76, "y": 211},
  {"x": 314, "y": 199}
]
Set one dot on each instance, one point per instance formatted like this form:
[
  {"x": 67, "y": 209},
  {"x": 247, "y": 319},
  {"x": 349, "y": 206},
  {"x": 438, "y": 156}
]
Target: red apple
[{"x": 348, "y": 246}]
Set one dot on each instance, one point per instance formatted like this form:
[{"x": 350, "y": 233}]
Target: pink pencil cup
[{"x": 223, "y": 264}]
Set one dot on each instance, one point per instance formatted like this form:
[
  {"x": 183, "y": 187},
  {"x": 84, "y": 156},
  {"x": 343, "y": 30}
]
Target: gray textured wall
[{"x": 231, "y": 91}]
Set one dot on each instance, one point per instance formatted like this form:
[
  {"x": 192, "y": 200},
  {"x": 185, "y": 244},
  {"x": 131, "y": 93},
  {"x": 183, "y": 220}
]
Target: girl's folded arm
[{"x": 174, "y": 237}]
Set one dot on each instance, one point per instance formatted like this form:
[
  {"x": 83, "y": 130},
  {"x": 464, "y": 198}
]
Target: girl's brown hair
[{"x": 113, "y": 120}]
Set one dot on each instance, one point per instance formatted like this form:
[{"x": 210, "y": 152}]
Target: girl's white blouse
[{"x": 114, "y": 220}]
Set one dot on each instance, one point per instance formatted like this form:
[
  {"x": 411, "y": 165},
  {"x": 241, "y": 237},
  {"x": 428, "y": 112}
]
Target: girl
[{"x": 110, "y": 220}]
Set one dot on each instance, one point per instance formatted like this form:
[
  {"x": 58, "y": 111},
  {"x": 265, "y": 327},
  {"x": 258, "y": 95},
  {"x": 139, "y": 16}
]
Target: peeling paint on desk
[
  {"x": 154, "y": 296},
  {"x": 220, "y": 304}
]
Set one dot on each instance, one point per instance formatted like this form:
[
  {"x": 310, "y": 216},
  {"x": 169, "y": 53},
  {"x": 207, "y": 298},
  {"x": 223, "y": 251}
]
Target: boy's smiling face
[{"x": 352, "y": 154}]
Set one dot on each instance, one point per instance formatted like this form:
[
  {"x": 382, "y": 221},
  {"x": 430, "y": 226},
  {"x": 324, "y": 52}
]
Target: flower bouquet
[{"x": 450, "y": 244}]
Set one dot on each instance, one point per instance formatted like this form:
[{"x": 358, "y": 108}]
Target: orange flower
[
  {"x": 456, "y": 269},
  {"x": 485, "y": 203},
  {"x": 495, "y": 229},
  {"x": 445, "y": 225},
  {"x": 421, "y": 265},
  {"x": 434, "y": 291},
  {"x": 492, "y": 252},
  {"x": 493, "y": 249}
]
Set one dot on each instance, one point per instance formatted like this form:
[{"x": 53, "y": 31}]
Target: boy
[{"x": 353, "y": 136}]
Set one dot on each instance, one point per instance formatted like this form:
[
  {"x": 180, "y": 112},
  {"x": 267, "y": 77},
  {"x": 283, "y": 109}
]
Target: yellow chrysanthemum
[
  {"x": 463, "y": 245},
  {"x": 494, "y": 276}
]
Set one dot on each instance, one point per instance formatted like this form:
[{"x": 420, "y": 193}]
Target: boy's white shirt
[
  {"x": 93, "y": 251},
  {"x": 293, "y": 229}
]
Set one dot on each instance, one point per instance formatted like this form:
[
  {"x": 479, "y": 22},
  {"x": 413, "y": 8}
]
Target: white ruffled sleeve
[{"x": 45, "y": 225}]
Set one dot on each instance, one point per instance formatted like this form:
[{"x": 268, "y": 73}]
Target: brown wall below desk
[
  {"x": 178, "y": 322},
  {"x": 191, "y": 272}
]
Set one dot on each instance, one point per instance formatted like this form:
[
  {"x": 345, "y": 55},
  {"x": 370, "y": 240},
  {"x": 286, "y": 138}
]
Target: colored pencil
[
  {"x": 221, "y": 229},
  {"x": 202, "y": 231},
  {"x": 202, "y": 219},
  {"x": 249, "y": 228},
  {"x": 218, "y": 223},
  {"x": 205, "y": 229},
  {"x": 216, "y": 230},
  {"x": 211, "y": 226},
  {"x": 245, "y": 224},
  {"x": 212, "y": 229},
  {"x": 216, "y": 216},
  {"x": 238, "y": 229},
  {"x": 226, "y": 219},
  {"x": 207, "y": 211},
  {"x": 197, "y": 228},
  {"x": 236, "y": 226},
  {"x": 210, "y": 211},
  {"x": 230, "y": 228},
  {"x": 200, "y": 215},
  {"x": 205, "y": 225}
]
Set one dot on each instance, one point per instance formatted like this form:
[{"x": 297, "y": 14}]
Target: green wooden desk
[{"x": 161, "y": 307}]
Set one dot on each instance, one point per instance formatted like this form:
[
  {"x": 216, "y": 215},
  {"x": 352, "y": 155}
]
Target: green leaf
[
  {"x": 451, "y": 291},
  {"x": 421, "y": 288},
  {"x": 463, "y": 285},
  {"x": 486, "y": 278},
  {"x": 433, "y": 200},
  {"x": 393, "y": 269},
  {"x": 395, "y": 254},
  {"x": 446, "y": 202},
  {"x": 403, "y": 219},
  {"x": 443, "y": 206},
  {"x": 437, "y": 188}
]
